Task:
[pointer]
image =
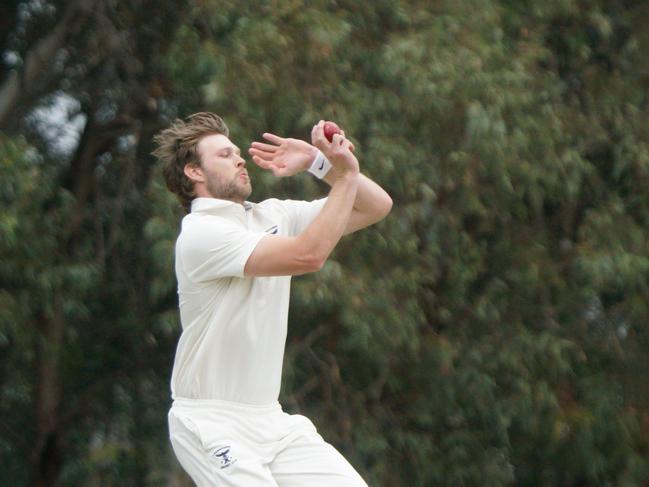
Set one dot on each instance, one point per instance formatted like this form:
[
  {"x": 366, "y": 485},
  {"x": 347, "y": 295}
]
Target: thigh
[
  {"x": 309, "y": 461},
  {"x": 228, "y": 466}
]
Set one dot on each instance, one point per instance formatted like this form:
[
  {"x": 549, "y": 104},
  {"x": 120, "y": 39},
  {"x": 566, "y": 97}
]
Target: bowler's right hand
[{"x": 338, "y": 151}]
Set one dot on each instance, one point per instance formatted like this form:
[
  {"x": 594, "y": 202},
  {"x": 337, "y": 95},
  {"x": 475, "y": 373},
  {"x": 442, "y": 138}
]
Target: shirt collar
[{"x": 216, "y": 205}]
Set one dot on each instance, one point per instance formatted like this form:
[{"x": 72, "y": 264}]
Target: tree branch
[{"x": 20, "y": 83}]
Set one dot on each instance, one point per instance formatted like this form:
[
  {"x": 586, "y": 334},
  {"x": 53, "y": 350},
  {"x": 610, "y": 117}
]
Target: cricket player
[{"x": 234, "y": 261}]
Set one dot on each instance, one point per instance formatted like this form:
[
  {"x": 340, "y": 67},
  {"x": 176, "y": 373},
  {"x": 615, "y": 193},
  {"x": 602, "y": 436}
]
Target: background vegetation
[{"x": 491, "y": 331}]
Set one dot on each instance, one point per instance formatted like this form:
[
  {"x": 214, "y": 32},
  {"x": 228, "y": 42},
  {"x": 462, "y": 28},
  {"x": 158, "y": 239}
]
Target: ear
[{"x": 194, "y": 173}]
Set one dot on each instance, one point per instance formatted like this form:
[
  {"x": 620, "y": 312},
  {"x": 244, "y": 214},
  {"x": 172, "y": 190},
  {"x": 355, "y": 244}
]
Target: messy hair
[{"x": 177, "y": 147}]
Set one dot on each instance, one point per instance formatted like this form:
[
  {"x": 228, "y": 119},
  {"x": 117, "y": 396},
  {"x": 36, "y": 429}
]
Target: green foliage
[
  {"x": 491, "y": 331},
  {"x": 484, "y": 270}
]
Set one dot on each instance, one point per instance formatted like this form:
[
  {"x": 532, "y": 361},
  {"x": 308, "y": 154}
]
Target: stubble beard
[{"x": 229, "y": 190}]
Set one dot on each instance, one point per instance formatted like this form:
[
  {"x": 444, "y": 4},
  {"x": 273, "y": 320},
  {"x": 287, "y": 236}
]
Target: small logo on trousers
[{"x": 223, "y": 454}]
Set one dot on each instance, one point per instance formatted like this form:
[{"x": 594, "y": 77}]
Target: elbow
[
  {"x": 310, "y": 258},
  {"x": 313, "y": 263},
  {"x": 387, "y": 206},
  {"x": 310, "y": 254},
  {"x": 383, "y": 208}
]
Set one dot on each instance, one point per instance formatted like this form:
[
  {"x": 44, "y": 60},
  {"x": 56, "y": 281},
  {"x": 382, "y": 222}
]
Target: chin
[{"x": 242, "y": 196}]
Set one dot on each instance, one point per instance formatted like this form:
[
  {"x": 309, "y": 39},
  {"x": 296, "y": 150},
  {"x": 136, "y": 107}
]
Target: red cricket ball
[{"x": 330, "y": 128}]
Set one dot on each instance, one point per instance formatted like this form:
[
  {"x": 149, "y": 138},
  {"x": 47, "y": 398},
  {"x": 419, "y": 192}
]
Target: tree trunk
[{"x": 47, "y": 451}]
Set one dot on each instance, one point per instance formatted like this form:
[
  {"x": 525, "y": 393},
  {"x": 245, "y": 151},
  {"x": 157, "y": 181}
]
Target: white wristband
[{"x": 320, "y": 166}]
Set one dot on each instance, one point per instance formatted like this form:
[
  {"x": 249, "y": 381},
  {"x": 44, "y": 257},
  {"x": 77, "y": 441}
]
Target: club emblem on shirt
[
  {"x": 223, "y": 454},
  {"x": 272, "y": 230}
]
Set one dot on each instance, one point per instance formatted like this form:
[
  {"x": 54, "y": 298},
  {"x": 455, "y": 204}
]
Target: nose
[{"x": 240, "y": 161}]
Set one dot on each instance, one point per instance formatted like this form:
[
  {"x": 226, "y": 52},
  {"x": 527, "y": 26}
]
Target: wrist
[
  {"x": 312, "y": 154},
  {"x": 320, "y": 165}
]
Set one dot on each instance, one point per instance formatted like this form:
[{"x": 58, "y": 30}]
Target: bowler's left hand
[{"x": 283, "y": 156}]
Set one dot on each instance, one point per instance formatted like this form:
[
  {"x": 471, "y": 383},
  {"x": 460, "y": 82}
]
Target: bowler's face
[{"x": 224, "y": 168}]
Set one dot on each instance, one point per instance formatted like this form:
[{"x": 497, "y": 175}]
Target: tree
[
  {"x": 77, "y": 272},
  {"x": 492, "y": 331}
]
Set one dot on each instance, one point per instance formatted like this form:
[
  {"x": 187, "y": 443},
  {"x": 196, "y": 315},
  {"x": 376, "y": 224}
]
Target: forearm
[
  {"x": 368, "y": 195},
  {"x": 322, "y": 235},
  {"x": 371, "y": 204}
]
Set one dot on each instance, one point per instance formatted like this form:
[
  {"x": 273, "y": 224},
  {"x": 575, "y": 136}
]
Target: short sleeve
[
  {"x": 301, "y": 213},
  {"x": 213, "y": 248}
]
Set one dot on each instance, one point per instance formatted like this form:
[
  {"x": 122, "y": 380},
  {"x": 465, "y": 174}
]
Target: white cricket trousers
[{"x": 226, "y": 444}]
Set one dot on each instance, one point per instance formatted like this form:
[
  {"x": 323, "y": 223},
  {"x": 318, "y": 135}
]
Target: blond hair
[{"x": 177, "y": 147}]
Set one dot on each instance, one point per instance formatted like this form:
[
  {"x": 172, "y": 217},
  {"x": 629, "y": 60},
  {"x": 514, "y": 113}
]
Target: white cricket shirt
[{"x": 233, "y": 327}]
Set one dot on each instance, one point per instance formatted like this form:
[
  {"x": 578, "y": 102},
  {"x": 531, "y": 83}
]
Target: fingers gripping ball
[{"x": 330, "y": 128}]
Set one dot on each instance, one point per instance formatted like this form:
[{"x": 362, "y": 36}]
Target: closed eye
[{"x": 228, "y": 152}]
